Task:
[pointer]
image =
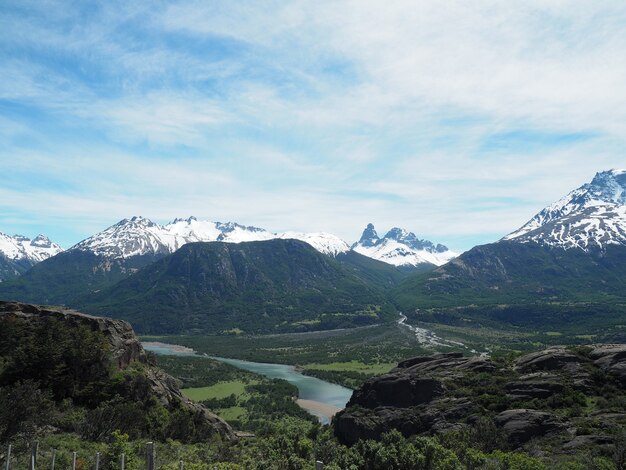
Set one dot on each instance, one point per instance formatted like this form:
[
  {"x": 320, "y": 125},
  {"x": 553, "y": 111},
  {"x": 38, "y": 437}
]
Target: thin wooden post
[
  {"x": 319, "y": 465},
  {"x": 54, "y": 458},
  {"x": 8, "y": 464},
  {"x": 73, "y": 460},
  {"x": 151, "y": 456},
  {"x": 122, "y": 461},
  {"x": 33, "y": 455},
  {"x": 97, "y": 460}
]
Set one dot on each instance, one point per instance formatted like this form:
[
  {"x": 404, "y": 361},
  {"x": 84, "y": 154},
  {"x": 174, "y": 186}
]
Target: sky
[{"x": 455, "y": 120}]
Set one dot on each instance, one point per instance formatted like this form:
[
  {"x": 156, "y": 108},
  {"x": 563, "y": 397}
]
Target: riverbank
[
  {"x": 318, "y": 397},
  {"x": 321, "y": 410},
  {"x": 166, "y": 348}
]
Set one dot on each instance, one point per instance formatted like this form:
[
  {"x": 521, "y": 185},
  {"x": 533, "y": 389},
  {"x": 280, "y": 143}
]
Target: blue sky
[{"x": 456, "y": 120}]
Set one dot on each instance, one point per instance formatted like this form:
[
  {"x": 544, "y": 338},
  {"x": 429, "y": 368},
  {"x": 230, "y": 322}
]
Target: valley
[{"x": 392, "y": 341}]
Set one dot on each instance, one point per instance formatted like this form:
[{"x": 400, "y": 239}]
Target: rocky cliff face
[
  {"x": 125, "y": 349},
  {"x": 574, "y": 396},
  {"x": 124, "y": 346}
]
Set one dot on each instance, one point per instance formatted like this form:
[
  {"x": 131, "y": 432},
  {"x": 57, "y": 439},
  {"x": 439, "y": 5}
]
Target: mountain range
[
  {"x": 197, "y": 276},
  {"x": 139, "y": 237}
]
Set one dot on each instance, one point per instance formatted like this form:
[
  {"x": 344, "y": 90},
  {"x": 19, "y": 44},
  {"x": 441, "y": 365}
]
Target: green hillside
[
  {"x": 268, "y": 286},
  {"x": 527, "y": 285},
  {"x": 68, "y": 276}
]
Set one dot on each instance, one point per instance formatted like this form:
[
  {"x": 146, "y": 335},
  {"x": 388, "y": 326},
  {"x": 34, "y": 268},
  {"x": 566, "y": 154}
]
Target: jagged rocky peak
[
  {"x": 137, "y": 221},
  {"x": 41, "y": 241},
  {"x": 609, "y": 186},
  {"x": 227, "y": 227},
  {"x": 369, "y": 236},
  {"x": 188, "y": 220},
  {"x": 410, "y": 239},
  {"x": 590, "y": 217},
  {"x": 401, "y": 248}
]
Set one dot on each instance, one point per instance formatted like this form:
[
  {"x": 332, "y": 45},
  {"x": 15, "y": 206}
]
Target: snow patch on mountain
[
  {"x": 323, "y": 242},
  {"x": 20, "y": 248},
  {"x": 400, "y": 247},
  {"x": 589, "y": 218}
]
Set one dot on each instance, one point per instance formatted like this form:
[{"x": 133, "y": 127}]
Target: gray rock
[
  {"x": 588, "y": 441},
  {"x": 551, "y": 359},
  {"x": 533, "y": 389},
  {"x": 521, "y": 425},
  {"x": 612, "y": 359},
  {"x": 397, "y": 390}
]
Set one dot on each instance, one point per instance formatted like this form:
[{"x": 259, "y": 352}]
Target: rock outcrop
[
  {"x": 124, "y": 346},
  {"x": 525, "y": 399},
  {"x": 124, "y": 349}
]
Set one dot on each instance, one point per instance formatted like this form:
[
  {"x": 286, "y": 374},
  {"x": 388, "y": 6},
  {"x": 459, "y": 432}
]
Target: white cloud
[{"x": 315, "y": 115}]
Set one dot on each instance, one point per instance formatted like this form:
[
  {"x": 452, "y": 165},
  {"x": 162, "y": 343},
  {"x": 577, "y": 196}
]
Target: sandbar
[{"x": 319, "y": 408}]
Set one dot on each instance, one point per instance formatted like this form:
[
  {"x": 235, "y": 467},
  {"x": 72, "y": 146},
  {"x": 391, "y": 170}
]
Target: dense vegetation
[
  {"x": 52, "y": 375},
  {"x": 292, "y": 444},
  {"x": 65, "y": 278}
]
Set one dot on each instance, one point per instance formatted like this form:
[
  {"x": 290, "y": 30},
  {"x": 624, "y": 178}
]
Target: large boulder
[
  {"x": 612, "y": 359},
  {"x": 551, "y": 359},
  {"x": 398, "y": 390},
  {"x": 520, "y": 426}
]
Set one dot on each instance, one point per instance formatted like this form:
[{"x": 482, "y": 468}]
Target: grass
[
  {"x": 232, "y": 413},
  {"x": 218, "y": 391},
  {"x": 354, "y": 366}
]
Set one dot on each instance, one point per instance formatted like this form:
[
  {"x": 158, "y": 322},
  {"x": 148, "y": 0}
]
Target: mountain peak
[
  {"x": 590, "y": 217},
  {"x": 41, "y": 241},
  {"x": 369, "y": 236}
]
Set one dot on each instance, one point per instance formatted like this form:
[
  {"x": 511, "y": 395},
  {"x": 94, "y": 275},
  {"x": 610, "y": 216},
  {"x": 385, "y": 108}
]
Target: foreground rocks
[
  {"x": 570, "y": 396},
  {"x": 125, "y": 350}
]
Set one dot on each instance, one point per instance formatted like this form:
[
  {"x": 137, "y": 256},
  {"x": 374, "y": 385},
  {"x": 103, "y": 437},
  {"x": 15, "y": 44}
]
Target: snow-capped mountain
[
  {"x": 139, "y": 236},
  {"x": 20, "y": 248},
  {"x": 401, "y": 248},
  {"x": 590, "y": 217}
]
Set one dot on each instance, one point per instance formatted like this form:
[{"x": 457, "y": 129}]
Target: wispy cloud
[{"x": 456, "y": 119}]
